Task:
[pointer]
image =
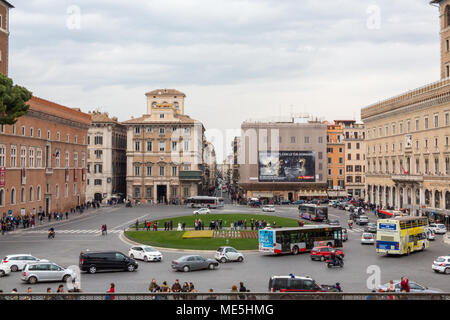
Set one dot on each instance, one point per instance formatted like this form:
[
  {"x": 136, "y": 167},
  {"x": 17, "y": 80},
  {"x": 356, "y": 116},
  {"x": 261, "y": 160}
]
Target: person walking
[
  {"x": 152, "y": 285},
  {"x": 106, "y": 230},
  {"x": 404, "y": 284},
  {"x": 176, "y": 287},
  {"x": 165, "y": 288},
  {"x": 112, "y": 289},
  {"x": 242, "y": 288},
  {"x": 234, "y": 289},
  {"x": 211, "y": 296},
  {"x": 137, "y": 224}
]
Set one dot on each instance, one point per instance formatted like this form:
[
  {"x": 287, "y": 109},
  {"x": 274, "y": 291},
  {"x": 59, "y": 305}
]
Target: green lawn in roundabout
[{"x": 173, "y": 239}]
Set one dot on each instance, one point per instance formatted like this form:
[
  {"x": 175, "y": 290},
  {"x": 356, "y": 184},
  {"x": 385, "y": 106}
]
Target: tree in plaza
[{"x": 13, "y": 100}]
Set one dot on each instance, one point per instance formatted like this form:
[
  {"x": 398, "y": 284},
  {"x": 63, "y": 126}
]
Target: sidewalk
[
  {"x": 446, "y": 238},
  {"x": 53, "y": 223}
]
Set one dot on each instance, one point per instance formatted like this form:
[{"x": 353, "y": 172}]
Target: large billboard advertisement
[{"x": 286, "y": 166}]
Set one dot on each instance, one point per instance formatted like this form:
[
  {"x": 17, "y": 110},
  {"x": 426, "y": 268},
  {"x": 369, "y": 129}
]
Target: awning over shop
[
  {"x": 444, "y": 212},
  {"x": 337, "y": 193},
  {"x": 262, "y": 194},
  {"x": 312, "y": 193}
]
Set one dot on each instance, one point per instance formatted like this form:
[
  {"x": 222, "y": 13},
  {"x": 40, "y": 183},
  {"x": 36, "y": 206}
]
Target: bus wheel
[{"x": 295, "y": 250}]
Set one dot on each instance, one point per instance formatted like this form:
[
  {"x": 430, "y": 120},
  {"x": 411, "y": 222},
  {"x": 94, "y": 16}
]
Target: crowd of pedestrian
[{"x": 29, "y": 220}]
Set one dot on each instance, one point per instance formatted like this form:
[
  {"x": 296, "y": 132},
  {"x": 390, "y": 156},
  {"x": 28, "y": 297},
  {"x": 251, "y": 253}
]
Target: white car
[
  {"x": 269, "y": 208},
  {"x": 146, "y": 253},
  {"x": 16, "y": 262},
  {"x": 438, "y": 228},
  {"x": 442, "y": 264},
  {"x": 202, "y": 211},
  {"x": 225, "y": 254},
  {"x": 367, "y": 238},
  {"x": 4, "y": 270}
]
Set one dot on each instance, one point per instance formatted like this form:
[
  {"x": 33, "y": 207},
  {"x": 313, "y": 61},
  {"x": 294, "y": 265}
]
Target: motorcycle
[{"x": 335, "y": 263}]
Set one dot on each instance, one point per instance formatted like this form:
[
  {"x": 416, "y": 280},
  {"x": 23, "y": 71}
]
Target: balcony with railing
[
  {"x": 193, "y": 175},
  {"x": 405, "y": 178}
]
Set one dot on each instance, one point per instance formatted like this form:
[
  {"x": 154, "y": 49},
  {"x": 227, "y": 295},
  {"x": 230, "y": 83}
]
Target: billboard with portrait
[{"x": 286, "y": 166}]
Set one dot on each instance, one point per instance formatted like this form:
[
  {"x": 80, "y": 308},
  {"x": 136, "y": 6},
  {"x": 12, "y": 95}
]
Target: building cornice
[
  {"x": 411, "y": 108},
  {"x": 52, "y": 118}
]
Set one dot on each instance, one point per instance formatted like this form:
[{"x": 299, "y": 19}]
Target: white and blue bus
[
  {"x": 204, "y": 202},
  {"x": 300, "y": 239}
]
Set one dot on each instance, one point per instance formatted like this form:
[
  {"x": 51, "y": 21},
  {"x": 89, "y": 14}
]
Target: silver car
[
  {"x": 368, "y": 238},
  {"x": 46, "y": 271}
]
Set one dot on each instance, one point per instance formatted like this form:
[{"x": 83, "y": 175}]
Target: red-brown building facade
[
  {"x": 43, "y": 160},
  {"x": 4, "y": 36}
]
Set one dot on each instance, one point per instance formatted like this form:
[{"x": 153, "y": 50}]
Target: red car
[{"x": 323, "y": 253}]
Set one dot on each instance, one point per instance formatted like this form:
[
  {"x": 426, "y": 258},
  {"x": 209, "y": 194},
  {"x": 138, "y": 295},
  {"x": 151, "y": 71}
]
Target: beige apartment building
[
  {"x": 164, "y": 151},
  {"x": 283, "y": 160},
  {"x": 355, "y": 157},
  {"x": 106, "y": 167},
  {"x": 407, "y": 144}
]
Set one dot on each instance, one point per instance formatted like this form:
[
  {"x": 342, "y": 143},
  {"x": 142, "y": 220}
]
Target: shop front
[{"x": 437, "y": 215}]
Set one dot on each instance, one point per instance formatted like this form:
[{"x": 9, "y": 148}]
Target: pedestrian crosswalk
[{"x": 96, "y": 231}]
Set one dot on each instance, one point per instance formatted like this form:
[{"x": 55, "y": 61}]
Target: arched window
[
  {"x": 418, "y": 196},
  {"x": 13, "y": 196},
  {"x": 177, "y": 106},
  {"x": 38, "y": 193},
  {"x": 408, "y": 193},
  {"x": 447, "y": 200},
  {"x": 153, "y": 104},
  {"x": 401, "y": 197},
  {"x": 31, "y": 195},
  {"x": 22, "y": 195},
  {"x": 437, "y": 199},
  {"x": 427, "y": 197},
  {"x": 2, "y": 197}
]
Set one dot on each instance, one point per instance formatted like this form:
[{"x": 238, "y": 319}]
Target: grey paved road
[{"x": 84, "y": 232}]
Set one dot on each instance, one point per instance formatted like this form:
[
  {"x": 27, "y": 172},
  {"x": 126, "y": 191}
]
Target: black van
[
  {"x": 293, "y": 284},
  {"x": 93, "y": 261}
]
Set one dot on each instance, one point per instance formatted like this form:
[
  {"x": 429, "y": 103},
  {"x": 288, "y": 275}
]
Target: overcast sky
[{"x": 234, "y": 59}]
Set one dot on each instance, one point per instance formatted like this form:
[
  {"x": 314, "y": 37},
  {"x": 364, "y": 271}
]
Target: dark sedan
[{"x": 191, "y": 263}]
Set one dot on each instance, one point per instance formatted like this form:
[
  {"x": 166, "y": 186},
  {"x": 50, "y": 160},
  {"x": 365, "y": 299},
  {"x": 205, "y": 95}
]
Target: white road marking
[
  {"x": 128, "y": 223},
  {"x": 72, "y": 231}
]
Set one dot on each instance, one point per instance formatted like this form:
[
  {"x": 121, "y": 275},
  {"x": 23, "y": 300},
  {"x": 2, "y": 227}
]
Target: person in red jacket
[
  {"x": 111, "y": 290},
  {"x": 404, "y": 284}
]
